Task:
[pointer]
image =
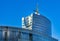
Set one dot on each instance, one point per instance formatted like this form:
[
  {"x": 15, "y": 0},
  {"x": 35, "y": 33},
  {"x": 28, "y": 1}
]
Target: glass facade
[
  {"x": 40, "y": 27},
  {"x": 38, "y": 23},
  {"x": 19, "y": 34},
  {"x": 41, "y": 24}
]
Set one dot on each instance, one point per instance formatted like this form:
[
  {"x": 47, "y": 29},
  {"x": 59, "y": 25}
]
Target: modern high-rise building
[
  {"x": 40, "y": 24},
  {"x": 35, "y": 27},
  {"x": 37, "y": 22}
]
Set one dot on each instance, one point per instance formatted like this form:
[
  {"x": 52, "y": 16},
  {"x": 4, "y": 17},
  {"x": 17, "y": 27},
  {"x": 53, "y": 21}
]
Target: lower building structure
[{"x": 8, "y": 33}]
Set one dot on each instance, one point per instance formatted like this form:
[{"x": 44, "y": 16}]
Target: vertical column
[
  {"x": 6, "y": 34},
  {"x": 30, "y": 37},
  {"x": 13, "y": 34},
  {"x": 19, "y": 35}
]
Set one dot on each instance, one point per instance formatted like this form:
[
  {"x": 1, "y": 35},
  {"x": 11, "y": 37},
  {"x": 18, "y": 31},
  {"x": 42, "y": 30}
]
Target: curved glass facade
[
  {"x": 38, "y": 23},
  {"x": 39, "y": 27},
  {"x": 41, "y": 24}
]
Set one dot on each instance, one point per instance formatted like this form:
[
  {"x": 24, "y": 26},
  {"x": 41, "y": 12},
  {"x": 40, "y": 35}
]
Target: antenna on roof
[{"x": 36, "y": 10}]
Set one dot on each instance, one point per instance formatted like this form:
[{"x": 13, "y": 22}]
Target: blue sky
[{"x": 11, "y": 12}]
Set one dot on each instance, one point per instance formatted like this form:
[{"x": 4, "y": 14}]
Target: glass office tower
[{"x": 38, "y": 23}]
